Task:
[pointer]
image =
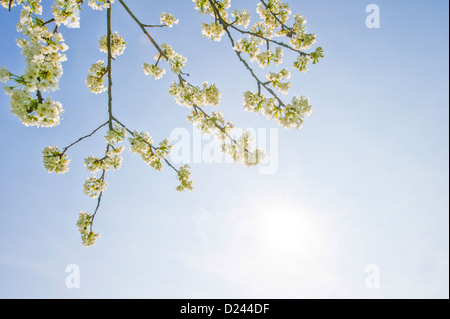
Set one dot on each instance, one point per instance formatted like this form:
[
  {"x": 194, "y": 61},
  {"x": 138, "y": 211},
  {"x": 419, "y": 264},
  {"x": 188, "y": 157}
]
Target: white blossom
[
  {"x": 212, "y": 124},
  {"x": 94, "y": 81},
  {"x": 111, "y": 160},
  {"x": 242, "y": 18},
  {"x": 5, "y": 75},
  {"x": 250, "y": 46},
  {"x": 288, "y": 116},
  {"x": 100, "y": 4},
  {"x": 184, "y": 178},
  {"x": 175, "y": 60},
  {"x": 32, "y": 112},
  {"x": 204, "y": 7},
  {"x": 213, "y": 31},
  {"x": 276, "y": 79},
  {"x": 155, "y": 71},
  {"x": 118, "y": 44},
  {"x": 293, "y": 114},
  {"x": 141, "y": 143},
  {"x": 266, "y": 57},
  {"x": 55, "y": 161},
  {"x": 177, "y": 63},
  {"x": 275, "y": 13},
  {"x": 84, "y": 224},
  {"x": 67, "y": 12},
  {"x": 168, "y": 19},
  {"x": 302, "y": 62},
  {"x": 116, "y": 135},
  {"x": 190, "y": 96},
  {"x": 93, "y": 187},
  {"x": 240, "y": 150}
]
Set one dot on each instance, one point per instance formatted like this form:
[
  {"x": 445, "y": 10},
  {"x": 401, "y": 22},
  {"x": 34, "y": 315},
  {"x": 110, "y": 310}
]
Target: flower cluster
[
  {"x": 302, "y": 63},
  {"x": 5, "y": 75},
  {"x": 155, "y": 71},
  {"x": 94, "y": 80},
  {"x": 294, "y": 113},
  {"x": 183, "y": 176},
  {"x": 213, "y": 31},
  {"x": 55, "y": 161},
  {"x": 12, "y": 3},
  {"x": 266, "y": 57},
  {"x": 141, "y": 143},
  {"x": 251, "y": 46},
  {"x": 168, "y": 19},
  {"x": 273, "y": 13},
  {"x": 84, "y": 225},
  {"x": 112, "y": 158},
  {"x": 93, "y": 187},
  {"x": 240, "y": 150},
  {"x": 43, "y": 50},
  {"x": 288, "y": 116},
  {"x": 7, "y": 3},
  {"x": 242, "y": 18},
  {"x": 204, "y": 7},
  {"x": 188, "y": 95},
  {"x": 116, "y": 135},
  {"x": 300, "y": 39},
  {"x": 223, "y": 131},
  {"x": 176, "y": 61},
  {"x": 34, "y": 112},
  {"x": 118, "y": 44},
  {"x": 215, "y": 124},
  {"x": 67, "y": 12},
  {"x": 100, "y": 4},
  {"x": 276, "y": 80}
]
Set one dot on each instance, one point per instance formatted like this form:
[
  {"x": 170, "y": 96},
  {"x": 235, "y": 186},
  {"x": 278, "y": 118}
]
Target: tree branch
[
  {"x": 154, "y": 25},
  {"x": 142, "y": 26},
  {"x": 99, "y": 199},
  {"x": 83, "y": 138},
  {"x": 109, "y": 67}
]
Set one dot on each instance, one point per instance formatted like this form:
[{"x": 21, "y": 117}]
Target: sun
[{"x": 287, "y": 228}]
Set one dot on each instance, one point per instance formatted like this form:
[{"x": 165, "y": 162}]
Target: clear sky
[{"x": 365, "y": 182}]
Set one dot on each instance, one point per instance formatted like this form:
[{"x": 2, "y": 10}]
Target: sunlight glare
[{"x": 287, "y": 228}]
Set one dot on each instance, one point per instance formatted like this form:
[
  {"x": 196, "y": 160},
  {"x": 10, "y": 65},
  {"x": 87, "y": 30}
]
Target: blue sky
[{"x": 365, "y": 182}]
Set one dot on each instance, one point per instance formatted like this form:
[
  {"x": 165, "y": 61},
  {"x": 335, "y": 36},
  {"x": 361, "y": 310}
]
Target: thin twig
[
  {"x": 142, "y": 26},
  {"x": 49, "y": 21},
  {"x": 84, "y": 137},
  {"x": 39, "y": 96},
  {"x": 154, "y": 25},
  {"x": 99, "y": 200}
]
